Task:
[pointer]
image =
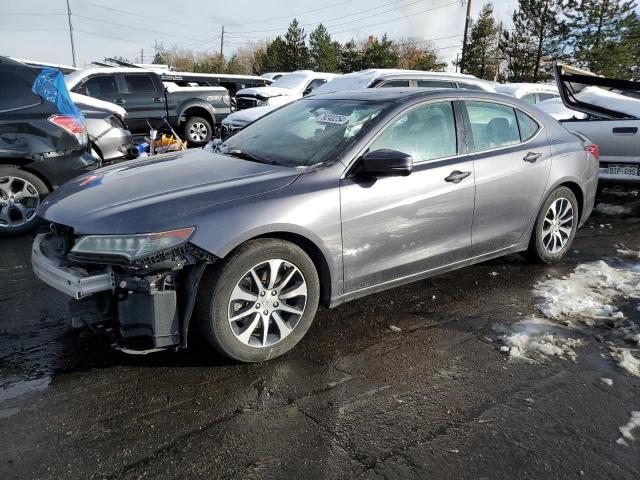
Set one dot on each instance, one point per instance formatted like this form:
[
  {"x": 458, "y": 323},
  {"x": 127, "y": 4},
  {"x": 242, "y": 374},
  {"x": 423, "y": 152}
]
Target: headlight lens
[{"x": 132, "y": 247}]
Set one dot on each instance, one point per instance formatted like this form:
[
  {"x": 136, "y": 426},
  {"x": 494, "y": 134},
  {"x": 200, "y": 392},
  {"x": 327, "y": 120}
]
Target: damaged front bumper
[{"x": 149, "y": 303}]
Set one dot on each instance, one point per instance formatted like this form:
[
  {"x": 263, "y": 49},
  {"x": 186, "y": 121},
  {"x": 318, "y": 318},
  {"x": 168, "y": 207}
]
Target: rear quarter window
[
  {"x": 15, "y": 92},
  {"x": 528, "y": 126},
  {"x": 98, "y": 86},
  {"x": 435, "y": 84},
  {"x": 395, "y": 83}
]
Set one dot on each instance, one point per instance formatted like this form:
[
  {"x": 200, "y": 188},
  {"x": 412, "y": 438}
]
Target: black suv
[{"x": 40, "y": 147}]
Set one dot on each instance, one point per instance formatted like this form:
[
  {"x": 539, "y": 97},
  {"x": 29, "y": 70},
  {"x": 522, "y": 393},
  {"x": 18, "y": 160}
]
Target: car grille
[{"x": 245, "y": 102}]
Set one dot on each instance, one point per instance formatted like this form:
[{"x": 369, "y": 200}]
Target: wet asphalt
[{"x": 355, "y": 399}]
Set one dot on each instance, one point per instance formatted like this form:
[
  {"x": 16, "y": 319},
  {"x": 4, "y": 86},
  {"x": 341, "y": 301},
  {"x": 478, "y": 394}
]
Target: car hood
[
  {"x": 243, "y": 117},
  {"x": 156, "y": 194},
  {"x": 265, "y": 92},
  {"x": 594, "y": 95}
]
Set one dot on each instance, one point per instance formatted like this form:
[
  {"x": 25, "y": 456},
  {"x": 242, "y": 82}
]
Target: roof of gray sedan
[{"x": 387, "y": 94}]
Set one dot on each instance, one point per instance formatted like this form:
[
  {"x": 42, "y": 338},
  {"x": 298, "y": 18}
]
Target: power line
[
  {"x": 135, "y": 27},
  {"x": 398, "y": 18},
  {"x": 143, "y": 15},
  {"x": 32, "y": 14},
  {"x": 293, "y": 15},
  {"x": 341, "y": 17}
]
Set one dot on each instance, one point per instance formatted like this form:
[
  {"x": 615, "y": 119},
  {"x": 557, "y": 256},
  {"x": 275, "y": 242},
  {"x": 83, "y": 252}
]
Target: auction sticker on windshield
[{"x": 332, "y": 118}]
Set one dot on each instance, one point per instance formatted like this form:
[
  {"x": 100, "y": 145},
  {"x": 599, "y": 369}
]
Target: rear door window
[
  {"x": 139, "y": 83},
  {"x": 435, "y": 84},
  {"x": 395, "y": 83},
  {"x": 16, "y": 93},
  {"x": 425, "y": 132},
  {"x": 99, "y": 86},
  {"x": 492, "y": 125}
]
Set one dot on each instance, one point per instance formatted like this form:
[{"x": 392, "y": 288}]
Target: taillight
[
  {"x": 72, "y": 125},
  {"x": 593, "y": 150}
]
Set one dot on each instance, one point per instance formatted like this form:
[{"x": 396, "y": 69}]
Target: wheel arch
[
  {"x": 23, "y": 164},
  {"x": 197, "y": 110}
]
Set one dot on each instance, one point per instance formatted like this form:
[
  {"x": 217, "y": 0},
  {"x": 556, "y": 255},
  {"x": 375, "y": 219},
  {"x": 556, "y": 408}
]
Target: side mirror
[
  {"x": 307, "y": 91},
  {"x": 386, "y": 163}
]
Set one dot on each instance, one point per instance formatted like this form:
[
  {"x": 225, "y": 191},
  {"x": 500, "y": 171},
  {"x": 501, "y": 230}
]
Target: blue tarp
[{"x": 50, "y": 86}]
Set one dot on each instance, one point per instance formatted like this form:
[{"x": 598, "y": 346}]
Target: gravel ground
[{"x": 409, "y": 383}]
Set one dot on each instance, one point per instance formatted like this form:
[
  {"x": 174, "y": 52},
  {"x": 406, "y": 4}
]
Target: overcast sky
[{"x": 38, "y": 29}]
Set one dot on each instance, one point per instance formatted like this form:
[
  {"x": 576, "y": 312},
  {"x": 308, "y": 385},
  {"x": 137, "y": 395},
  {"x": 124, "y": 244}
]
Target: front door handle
[
  {"x": 157, "y": 99},
  {"x": 531, "y": 157},
  {"x": 456, "y": 176},
  {"x": 121, "y": 101}
]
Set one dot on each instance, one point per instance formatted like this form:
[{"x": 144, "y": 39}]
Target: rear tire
[
  {"x": 555, "y": 227},
  {"x": 198, "y": 131},
  {"x": 20, "y": 195},
  {"x": 271, "y": 317}
]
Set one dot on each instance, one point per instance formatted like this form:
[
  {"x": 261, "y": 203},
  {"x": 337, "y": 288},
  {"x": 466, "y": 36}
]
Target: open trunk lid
[{"x": 602, "y": 97}]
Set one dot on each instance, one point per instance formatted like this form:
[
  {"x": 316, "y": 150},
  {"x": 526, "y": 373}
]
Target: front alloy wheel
[
  {"x": 260, "y": 301},
  {"x": 267, "y": 303}
]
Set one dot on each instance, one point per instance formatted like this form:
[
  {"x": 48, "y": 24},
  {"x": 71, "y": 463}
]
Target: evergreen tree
[
  {"x": 158, "y": 59},
  {"x": 518, "y": 53},
  {"x": 324, "y": 53},
  {"x": 274, "y": 58},
  {"x": 350, "y": 57},
  {"x": 481, "y": 55},
  {"x": 297, "y": 54},
  {"x": 379, "y": 54},
  {"x": 535, "y": 40},
  {"x": 596, "y": 31}
]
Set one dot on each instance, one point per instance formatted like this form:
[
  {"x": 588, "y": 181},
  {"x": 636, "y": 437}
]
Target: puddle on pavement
[{"x": 14, "y": 388}]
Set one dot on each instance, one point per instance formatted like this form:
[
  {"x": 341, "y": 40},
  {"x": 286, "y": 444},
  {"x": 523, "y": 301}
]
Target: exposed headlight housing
[{"x": 132, "y": 247}]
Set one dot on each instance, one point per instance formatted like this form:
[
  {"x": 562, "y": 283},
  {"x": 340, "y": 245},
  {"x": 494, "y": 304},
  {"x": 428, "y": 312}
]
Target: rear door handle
[
  {"x": 625, "y": 130},
  {"x": 121, "y": 101},
  {"x": 531, "y": 157},
  {"x": 457, "y": 176},
  {"x": 157, "y": 100}
]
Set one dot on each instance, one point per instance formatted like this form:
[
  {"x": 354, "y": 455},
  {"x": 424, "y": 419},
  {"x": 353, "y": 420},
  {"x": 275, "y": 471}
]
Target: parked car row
[
  {"x": 374, "y": 78},
  {"x": 322, "y": 198},
  {"x": 193, "y": 111}
]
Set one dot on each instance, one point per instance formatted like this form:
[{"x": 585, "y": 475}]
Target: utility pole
[
  {"x": 457, "y": 61},
  {"x": 222, "y": 42},
  {"x": 464, "y": 41},
  {"x": 142, "y": 55},
  {"x": 73, "y": 48}
]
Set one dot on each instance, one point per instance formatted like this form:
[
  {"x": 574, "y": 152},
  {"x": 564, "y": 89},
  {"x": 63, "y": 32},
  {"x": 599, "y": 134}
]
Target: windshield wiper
[{"x": 249, "y": 156}]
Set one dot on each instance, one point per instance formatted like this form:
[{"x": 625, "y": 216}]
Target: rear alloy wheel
[
  {"x": 198, "y": 131},
  {"x": 555, "y": 227},
  {"x": 20, "y": 196},
  {"x": 260, "y": 302}
]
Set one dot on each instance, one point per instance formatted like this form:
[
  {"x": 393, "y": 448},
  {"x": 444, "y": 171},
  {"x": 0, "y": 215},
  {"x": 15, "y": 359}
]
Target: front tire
[
  {"x": 555, "y": 227},
  {"x": 198, "y": 131},
  {"x": 20, "y": 196},
  {"x": 259, "y": 303}
]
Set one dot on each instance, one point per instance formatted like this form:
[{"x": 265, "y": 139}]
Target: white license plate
[{"x": 623, "y": 170}]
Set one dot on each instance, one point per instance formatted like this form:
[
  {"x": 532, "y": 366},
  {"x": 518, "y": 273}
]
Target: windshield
[
  {"x": 305, "y": 132},
  {"x": 291, "y": 80}
]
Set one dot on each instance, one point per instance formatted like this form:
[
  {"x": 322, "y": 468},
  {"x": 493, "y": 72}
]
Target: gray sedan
[{"x": 327, "y": 199}]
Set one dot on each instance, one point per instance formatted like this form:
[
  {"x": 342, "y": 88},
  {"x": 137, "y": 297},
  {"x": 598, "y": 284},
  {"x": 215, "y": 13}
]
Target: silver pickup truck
[{"x": 612, "y": 121}]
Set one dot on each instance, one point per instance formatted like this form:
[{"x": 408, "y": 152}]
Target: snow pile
[
  {"x": 626, "y": 360},
  {"x": 609, "y": 209},
  {"x": 555, "y": 108},
  {"x": 587, "y": 293},
  {"x": 537, "y": 336},
  {"x": 627, "y": 430},
  {"x": 613, "y": 101}
]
